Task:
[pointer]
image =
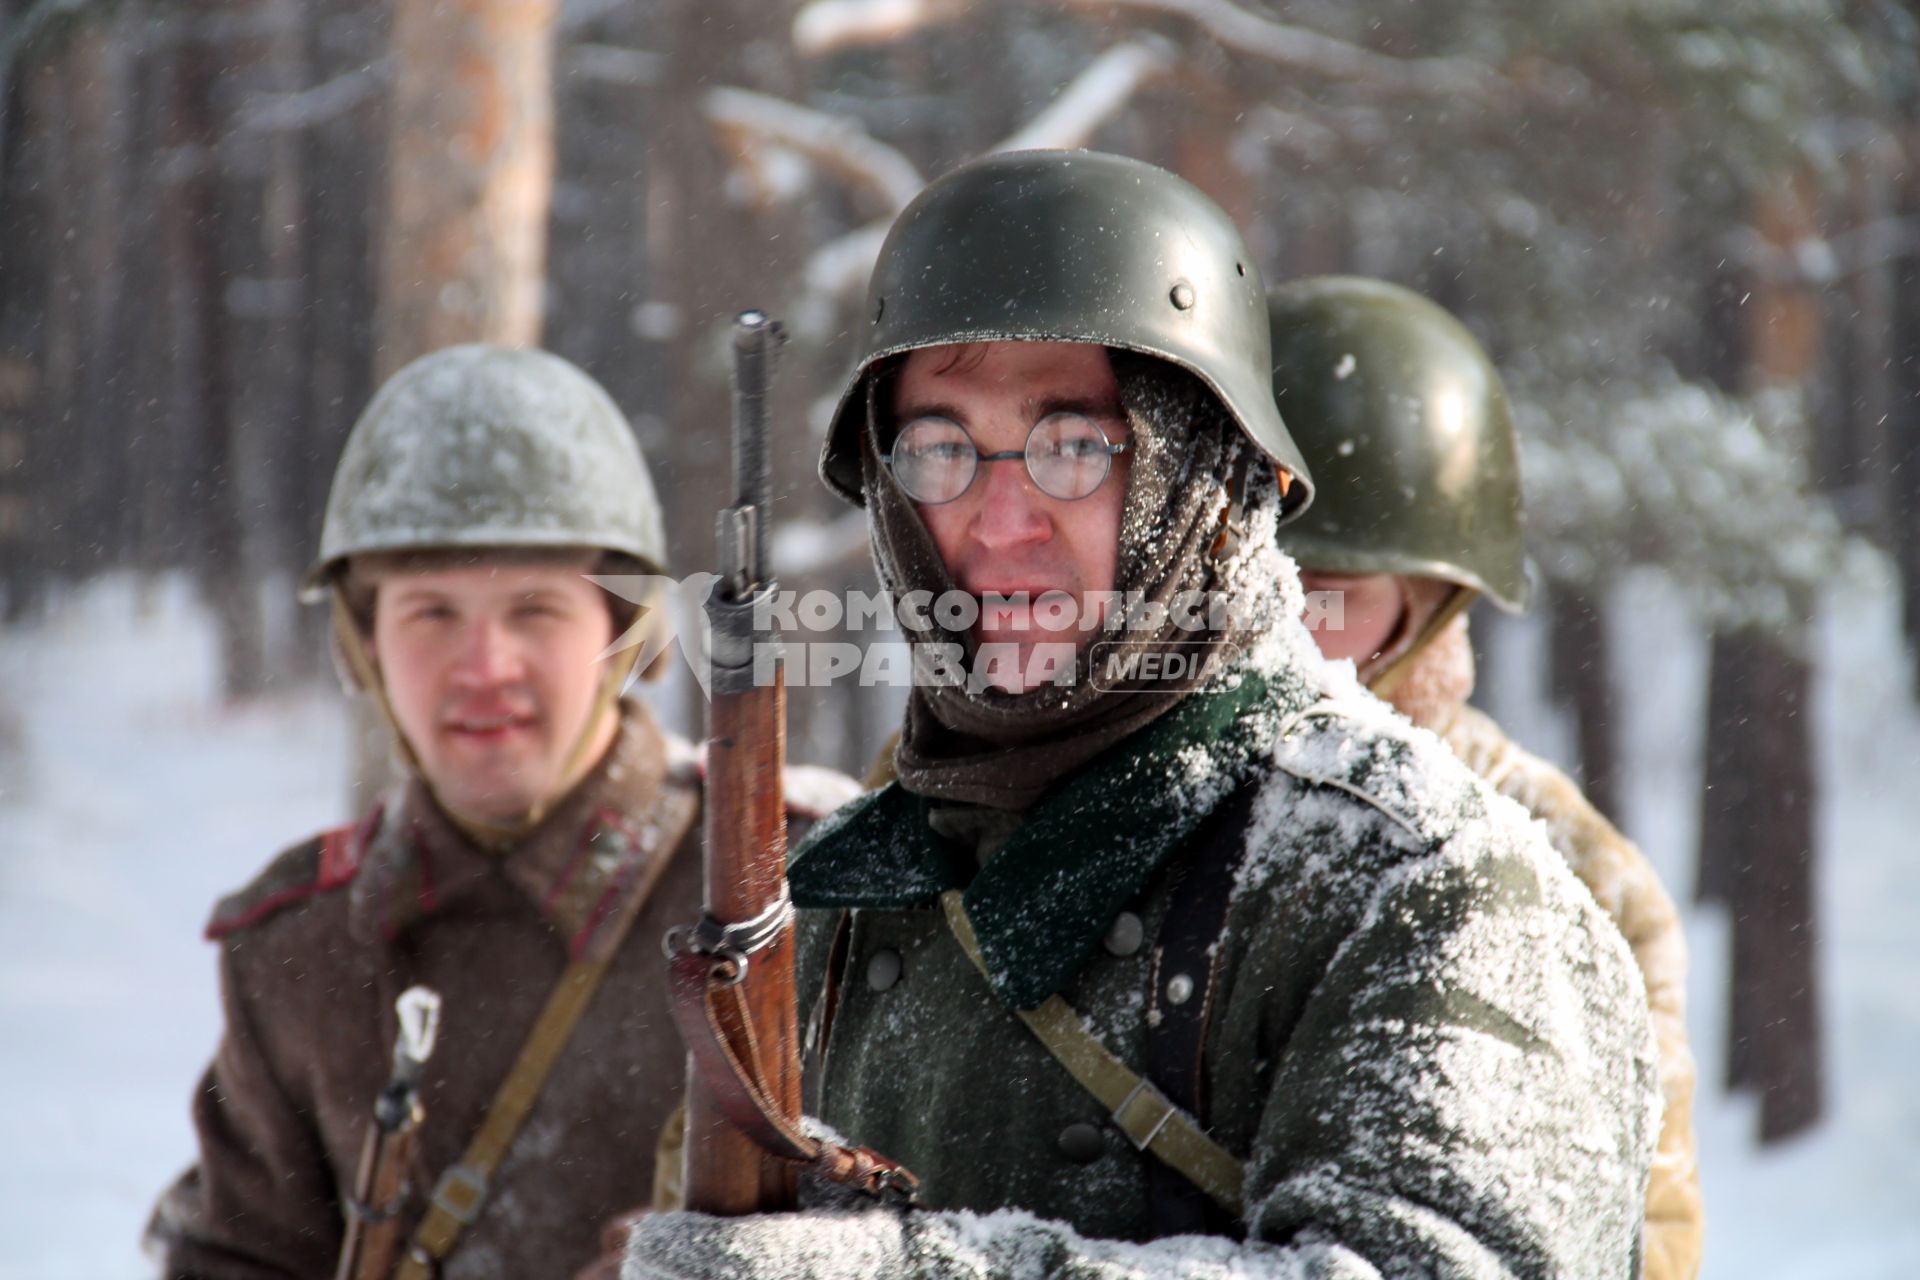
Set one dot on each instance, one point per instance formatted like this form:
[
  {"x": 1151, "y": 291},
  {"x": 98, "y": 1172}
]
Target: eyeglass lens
[{"x": 1068, "y": 456}]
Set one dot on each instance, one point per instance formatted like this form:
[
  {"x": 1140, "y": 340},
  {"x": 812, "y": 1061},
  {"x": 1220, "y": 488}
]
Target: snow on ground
[
  {"x": 139, "y": 801},
  {"x": 129, "y": 800}
]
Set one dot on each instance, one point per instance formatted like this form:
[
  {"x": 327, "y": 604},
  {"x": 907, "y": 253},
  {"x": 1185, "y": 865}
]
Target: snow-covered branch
[
  {"x": 828, "y": 26},
  {"x": 1816, "y": 261},
  {"x": 840, "y": 267},
  {"x": 1298, "y": 49},
  {"x": 1106, "y": 85},
  {"x": 838, "y": 144},
  {"x": 319, "y": 104}
]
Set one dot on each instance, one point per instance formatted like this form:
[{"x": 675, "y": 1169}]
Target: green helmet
[
  {"x": 485, "y": 446},
  {"x": 1070, "y": 246},
  {"x": 1404, "y": 422}
]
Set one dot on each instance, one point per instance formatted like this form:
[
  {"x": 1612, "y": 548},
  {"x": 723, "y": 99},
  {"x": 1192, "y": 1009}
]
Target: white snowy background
[{"x": 130, "y": 799}]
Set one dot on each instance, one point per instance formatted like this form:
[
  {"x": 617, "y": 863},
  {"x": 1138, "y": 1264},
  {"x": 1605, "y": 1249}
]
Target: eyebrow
[{"x": 1033, "y": 408}]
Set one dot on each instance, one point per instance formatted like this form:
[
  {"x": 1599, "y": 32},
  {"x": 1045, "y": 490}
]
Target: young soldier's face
[
  {"x": 1371, "y": 605},
  {"x": 1004, "y": 536},
  {"x": 491, "y": 674}
]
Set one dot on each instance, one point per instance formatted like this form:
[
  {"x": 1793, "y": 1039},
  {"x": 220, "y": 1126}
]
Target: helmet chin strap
[
  {"x": 489, "y": 833},
  {"x": 1390, "y": 675}
]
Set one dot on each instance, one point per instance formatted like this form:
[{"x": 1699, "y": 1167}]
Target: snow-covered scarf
[{"x": 1200, "y": 509}]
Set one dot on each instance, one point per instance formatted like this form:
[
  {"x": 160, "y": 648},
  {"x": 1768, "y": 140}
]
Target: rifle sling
[
  {"x": 1137, "y": 1107},
  {"x": 710, "y": 1009},
  {"x": 462, "y": 1189}
]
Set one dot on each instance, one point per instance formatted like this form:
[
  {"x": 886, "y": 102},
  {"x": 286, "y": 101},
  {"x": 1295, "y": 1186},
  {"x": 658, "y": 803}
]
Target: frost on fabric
[
  {"x": 1004, "y": 1245},
  {"x": 1469, "y": 1060}
]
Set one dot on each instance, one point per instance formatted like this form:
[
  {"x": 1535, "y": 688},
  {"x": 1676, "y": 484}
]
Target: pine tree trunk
[
  {"x": 1757, "y": 828},
  {"x": 1580, "y": 665},
  {"x": 1725, "y": 792},
  {"x": 25, "y": 228},
  {"x": 470, "y": 176},
  {"x": 202, "y": 235},
  {"x": 1775, "y": 924},
  {"x": 341, "y": 167},
  {"x": 1903, "y": 426}
]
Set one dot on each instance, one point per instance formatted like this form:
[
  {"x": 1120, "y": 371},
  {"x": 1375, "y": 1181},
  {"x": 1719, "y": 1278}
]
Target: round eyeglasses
[{"x": 934, "y": 460}]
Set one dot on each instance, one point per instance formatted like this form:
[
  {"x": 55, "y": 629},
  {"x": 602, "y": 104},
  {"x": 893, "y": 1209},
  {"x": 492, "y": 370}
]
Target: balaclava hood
[{"x": 1196, "y": 490}]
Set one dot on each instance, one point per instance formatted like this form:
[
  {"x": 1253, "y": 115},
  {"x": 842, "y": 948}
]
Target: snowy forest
[{"x": 1688, "y": 232}]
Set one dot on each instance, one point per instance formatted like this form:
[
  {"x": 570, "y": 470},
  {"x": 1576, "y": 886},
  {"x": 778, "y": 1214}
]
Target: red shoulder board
[{"x": 324, "y": 862}]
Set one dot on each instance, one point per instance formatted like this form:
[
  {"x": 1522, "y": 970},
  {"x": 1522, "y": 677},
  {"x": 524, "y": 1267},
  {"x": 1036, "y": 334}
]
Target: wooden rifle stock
[
  {"x": 728, "y": 1171},
  {"x": 731, "y": 975}
]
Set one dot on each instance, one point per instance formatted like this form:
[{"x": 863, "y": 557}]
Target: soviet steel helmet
[
  {"x": 487, "y": 446},
  {"x": 1070, "y": 246},
  {"x": 1403, "y": 419}
]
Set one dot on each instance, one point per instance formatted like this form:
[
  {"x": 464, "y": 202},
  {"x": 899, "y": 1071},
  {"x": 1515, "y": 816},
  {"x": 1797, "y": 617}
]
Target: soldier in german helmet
[
  {"x": 1418, "y": 514},
  {"x": 540, "y": 841},
  {"x": 1142, "y": 947}
]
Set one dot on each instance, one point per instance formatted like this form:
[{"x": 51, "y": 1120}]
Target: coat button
[
  {"x": 1082, "y": 1143},
  {"x": 883, "y": 970},
  {"x": 1126, "y": 935},
  {"x": 1179, "y": 989}
]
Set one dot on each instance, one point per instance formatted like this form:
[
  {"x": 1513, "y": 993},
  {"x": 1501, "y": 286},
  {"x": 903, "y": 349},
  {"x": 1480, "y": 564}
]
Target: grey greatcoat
[{"x": 1428, "y": 1047}]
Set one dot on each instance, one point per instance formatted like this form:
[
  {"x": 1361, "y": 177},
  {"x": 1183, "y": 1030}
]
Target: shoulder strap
[
  {"x": 1141, "y": 1111},
  {"x": 462, "y": 1189},
  {"x": 1176, "y": 1033}
]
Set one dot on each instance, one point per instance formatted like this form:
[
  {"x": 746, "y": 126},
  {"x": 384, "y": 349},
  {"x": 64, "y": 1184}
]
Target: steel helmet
[
  {"x": 488, "y": 446},
  {"x": 1403, "y": 419},
  {"x": 1070, "y": 246}
]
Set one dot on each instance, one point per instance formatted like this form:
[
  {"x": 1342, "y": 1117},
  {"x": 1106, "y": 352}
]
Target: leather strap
[
  {"x": 1139, "y": 1109},
  {"x": 462, "y": 1189},
  {"x": 711, "y": 1012}
]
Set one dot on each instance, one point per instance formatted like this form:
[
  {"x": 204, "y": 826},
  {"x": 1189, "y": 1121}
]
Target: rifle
[
  {"x": 732, "y": 973},
  {"x": 380, "y": 1184}
]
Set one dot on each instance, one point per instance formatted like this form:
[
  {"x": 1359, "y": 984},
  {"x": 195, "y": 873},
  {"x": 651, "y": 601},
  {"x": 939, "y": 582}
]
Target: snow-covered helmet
[
  {"x": 1070, "y": 246},
  {"x": 489, "y": 446},
  {"x": 1404, "y": 421}
]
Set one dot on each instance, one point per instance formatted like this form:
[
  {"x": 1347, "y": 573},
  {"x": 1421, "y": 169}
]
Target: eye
[
  {"x": 1072, "y": 436},
  {"x": 934, "y": 440}
]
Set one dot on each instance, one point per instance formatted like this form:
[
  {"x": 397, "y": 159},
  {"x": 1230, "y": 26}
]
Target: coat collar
[
  {"x": 576, "y": 868},
  {"x": 1044, "y": 900}
]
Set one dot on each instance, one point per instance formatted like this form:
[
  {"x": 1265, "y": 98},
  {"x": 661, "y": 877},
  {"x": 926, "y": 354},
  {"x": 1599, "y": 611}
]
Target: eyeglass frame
[{"x": 1024, "y": 453}]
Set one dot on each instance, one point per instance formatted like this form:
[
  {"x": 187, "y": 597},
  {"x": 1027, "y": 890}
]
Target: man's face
[
  {"x": 1004, "y": 535},
  {"x": 1369, "y": 616},
  {"x": 490, "y": 672}
]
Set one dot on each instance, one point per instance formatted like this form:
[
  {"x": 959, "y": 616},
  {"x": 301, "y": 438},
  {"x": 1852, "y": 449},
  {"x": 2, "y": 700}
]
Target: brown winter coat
[
  {"x": 1625, "y": 886},
  {"x": 313, "y": 954}
]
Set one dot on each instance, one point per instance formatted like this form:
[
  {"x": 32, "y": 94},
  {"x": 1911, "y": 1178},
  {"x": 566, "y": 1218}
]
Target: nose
[
  {"x": 488, "y": 655},
  {"x": 1012, "y": 509}
]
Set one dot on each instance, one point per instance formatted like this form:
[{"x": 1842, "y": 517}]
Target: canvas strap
[
  {"x": 1139, "y": 1109},
  {"x": 462, "y": 1189}
]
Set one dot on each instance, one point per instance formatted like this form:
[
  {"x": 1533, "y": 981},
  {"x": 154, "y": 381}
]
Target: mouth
[
  {"x": 494, "y": 727},
  {"x": 1026, "y": 607}
]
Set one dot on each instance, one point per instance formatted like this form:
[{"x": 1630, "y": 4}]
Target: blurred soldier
[
  {"x": 1139, "y": 945},
  {"x": 1404, "y": 423},
  {"x": 539, "y": 845}
]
